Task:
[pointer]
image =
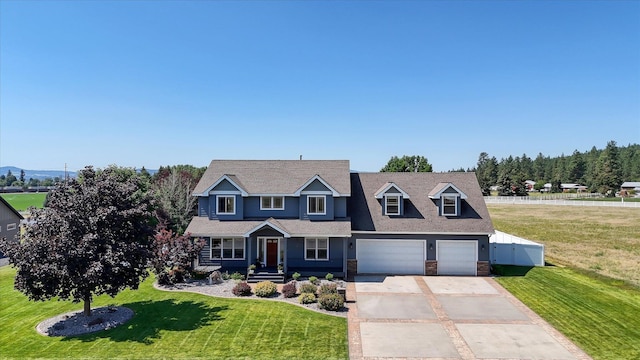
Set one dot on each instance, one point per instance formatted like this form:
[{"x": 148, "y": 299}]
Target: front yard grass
[
  {"x": 600, "y": 316},
  {"x": 173, "y": 325}
]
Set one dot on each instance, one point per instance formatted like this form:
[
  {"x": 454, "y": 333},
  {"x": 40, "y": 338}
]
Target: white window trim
[
  {"x": 272, "y": 202},
  {"x": 324, "y": 199},
  {"x": 11, "y": 227},
  {"x": 233, "y": 248},
  {"x": 386, "y": 205},
  {"x": 218, "y": 197},
  {"x": 455, "y": 205},
  {"x": 316, "y": 248}
]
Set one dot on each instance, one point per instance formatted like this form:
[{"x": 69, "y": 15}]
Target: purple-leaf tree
[
  {"x": 94, "y": 238},
  {"x": 173, "y": 254}
]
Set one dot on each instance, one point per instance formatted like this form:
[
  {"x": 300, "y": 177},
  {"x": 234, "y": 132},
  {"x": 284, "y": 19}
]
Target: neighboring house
[
  {"x": 530, "y": 184},
  {"x": 630, "y": 185},
  {"x": 315, "y": 217},
  {"x": 9, "y": 221},
  {"x": 573, "y": 187}
]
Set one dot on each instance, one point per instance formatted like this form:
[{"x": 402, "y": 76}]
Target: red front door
[{"x": 272, "y": 252}]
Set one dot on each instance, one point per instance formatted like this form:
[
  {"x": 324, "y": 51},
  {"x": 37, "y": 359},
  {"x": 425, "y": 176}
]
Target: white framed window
[
  {"x": 271, "y": 203},
  {"x": 226, "y": 204},
  {"x": 392, "y": 205},
  {"x": 449, "y": 205},
  {"x": 316, "y": 205},
  {"x": 316, "y": 249},
  {"x": 11, "y": 227},
  {"x": 227, "y": 248}
]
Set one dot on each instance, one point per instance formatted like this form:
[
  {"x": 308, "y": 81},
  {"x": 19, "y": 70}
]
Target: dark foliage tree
[
  {"x": 172, "y": 255},
  {"x": 406, "y": 163},
  {"x": 10, "y": 178},
  {"x": 608, "y": 172},
  {"x": 93, "y": 238},
  {"x": 22, "y": 176}
]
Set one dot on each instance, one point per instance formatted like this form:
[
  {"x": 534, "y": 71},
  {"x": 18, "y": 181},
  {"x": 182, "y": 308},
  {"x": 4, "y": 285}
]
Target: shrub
[
  {"x": 265, "y": 289},
  {"x": 289, "y": 289},
  {"x": 328, "y": 289},
  {"x": 237, "y": 276},
  {"x": 307, "y": 298},
  {"x": 308, "y": 288},
  {"x": 241, "y": 289},
  {"x": 329, "y": 276},
  {"x": 226, "y": 276},
  {"x": 198, "y": 275},
  {"x": 252, "y": 267},
  {"x": 295, "y": 276},
  {"x": 313, "y": 280},
  {"x": 331, "y": 302}
]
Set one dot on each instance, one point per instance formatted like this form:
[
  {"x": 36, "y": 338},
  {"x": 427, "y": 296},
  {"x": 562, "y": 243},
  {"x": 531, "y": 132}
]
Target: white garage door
[
  {"x": 457, "y": 257},
  {"x": 390, "y": 256}
]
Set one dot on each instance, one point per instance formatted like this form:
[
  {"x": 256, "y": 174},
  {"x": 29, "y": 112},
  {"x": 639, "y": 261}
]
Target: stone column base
[
  {"x": 431, "y": 267},
  {"x": 484, "y": 269},
  {"x": 352, "y": 268}
]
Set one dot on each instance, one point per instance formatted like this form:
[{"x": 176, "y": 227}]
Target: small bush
[
  {"x": 241, "y": 289},
  {"x": 329, "y": 276},
  {"x": 295, "y": 276},
  {"x": 265, "y": 289},
  {"x": 289, "y": 289},
  {"x": 307, "y": 298},
  {"x": 313, "y": 280},
  {"x": 308, "y": 288},
  {"x": 199, "y": 275},
  {"x": 226, "y": 276},
  {"x": 237, "y": 276},
  {"x": 331, "y": 302},
  {"x": 328, "y": 289}
]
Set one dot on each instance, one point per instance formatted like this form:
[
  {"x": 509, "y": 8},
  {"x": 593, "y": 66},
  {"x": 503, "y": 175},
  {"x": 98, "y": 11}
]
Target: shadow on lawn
[
  {"x": 510, "y": 270},
  {"x": 151, "y": 317}
]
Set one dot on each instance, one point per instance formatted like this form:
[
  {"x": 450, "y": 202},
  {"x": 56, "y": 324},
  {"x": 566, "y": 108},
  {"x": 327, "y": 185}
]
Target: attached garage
[
  {"x": 390, "y": 256},
  {"x": 457, "y": 257}
]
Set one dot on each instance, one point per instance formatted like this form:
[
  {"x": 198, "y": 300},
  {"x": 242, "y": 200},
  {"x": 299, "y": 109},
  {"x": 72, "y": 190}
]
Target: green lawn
[
  {"x": 23, "y": 201},
  {"x": 173, "y": 325},
  {"x": 601, "y": 316}
]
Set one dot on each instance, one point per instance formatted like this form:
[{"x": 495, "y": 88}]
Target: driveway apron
[{"x": 419, "y": 317}]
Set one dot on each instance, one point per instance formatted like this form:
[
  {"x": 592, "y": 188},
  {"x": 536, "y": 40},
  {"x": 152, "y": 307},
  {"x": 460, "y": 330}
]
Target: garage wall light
[{"x": 430, "y": 246}]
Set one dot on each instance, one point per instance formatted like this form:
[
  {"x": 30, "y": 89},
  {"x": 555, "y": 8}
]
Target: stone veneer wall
[
  {"x": 352, "y": 268},
  {"x": 483, "y": 268},
  {"x": 431, "y": 267}
]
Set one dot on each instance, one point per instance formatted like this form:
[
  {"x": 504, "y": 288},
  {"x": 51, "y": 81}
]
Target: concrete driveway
[{"x": 447, "y": 318}]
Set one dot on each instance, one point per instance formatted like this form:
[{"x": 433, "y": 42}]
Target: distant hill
[{"x": 36, "y": 174}]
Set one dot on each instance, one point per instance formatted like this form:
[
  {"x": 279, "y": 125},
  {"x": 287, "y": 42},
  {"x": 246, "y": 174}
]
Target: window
[
  {"x": 449, "y": 205},
  {"x": 315, "y": 205},
  {"x": 316, "y": 249},
  {"x": 11, "y": 227},
  {"x": 226, "y": 204},
  {"x": 227, "y": 248},
  {"x": 392, "y": 205},
  {"x": 271, "y": 203}
]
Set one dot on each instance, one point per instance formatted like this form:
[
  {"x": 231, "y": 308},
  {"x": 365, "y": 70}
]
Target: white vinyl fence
[{"x": 505, "y": 249}]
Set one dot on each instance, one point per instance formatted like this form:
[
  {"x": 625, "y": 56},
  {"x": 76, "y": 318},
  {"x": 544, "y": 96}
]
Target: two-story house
[
  {"x": 315, "y": 217},
  {"x": 9, "y": 221}
]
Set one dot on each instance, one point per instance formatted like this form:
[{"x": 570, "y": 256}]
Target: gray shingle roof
[
  {"x": 277, "y": 176},
  {"x": 421, "y": 213},
  {"x": 202, "y": 226}
]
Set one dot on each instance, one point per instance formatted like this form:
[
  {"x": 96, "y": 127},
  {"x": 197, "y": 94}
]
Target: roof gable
[
  {"x": 11, "y": 208},
  {"x": 224, "y": 183},
  {"x": 316, "y": 183},
  {"x": 390, "y": 187},
  {"x": 446, "y": 188},
  {"x": 272, "y": 223}
]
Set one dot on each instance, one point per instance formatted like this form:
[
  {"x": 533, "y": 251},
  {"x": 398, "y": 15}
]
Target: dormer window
[
  {"x": 449, "y": 205},
  {"x": 392, "y": 205},
  {"x": 315, "y": 205},
  {"x": 226, "y": 204}
]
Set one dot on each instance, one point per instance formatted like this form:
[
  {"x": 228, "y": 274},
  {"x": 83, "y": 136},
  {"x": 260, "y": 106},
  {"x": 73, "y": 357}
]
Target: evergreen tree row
[{"x": 601, "y": 171}]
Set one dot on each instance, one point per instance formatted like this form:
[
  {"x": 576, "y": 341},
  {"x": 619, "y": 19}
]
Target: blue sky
[{"x": 150, "y": 83}]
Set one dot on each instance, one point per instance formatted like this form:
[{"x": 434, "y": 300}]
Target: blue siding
[
  {"x": 213, "y": 207},
  {"x": 316, "y": 185},
  {"x": 225, "y": 185},
  {"x": 340, "y": 207},
  {"x": 203, "y": 206},
  {"x": 204, "y": 259},
  {"x": 296, "y": 260},
  {"x": 329, "y": 206},
  {"x": 252, "y": 209}
]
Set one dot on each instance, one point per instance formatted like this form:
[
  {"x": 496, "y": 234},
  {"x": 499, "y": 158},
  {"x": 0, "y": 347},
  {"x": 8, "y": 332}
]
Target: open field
[
  {"x": 23, "y": 201},
  {"x": 598, "y": 315},
  {"x": 173, "y": 325},
  {"x": 605, "y": 240}
]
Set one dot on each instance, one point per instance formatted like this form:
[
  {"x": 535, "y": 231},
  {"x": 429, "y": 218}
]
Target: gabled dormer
[
  {"x": 223, "y": 199},
  {"x": 392, "y": 199},
  {"x": 448, "y": 198},
  {"x": 317, "y": 199}
]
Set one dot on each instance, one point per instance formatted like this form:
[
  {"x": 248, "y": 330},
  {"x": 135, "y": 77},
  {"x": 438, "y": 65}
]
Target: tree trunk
[{"x": 87, "y": 305}]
